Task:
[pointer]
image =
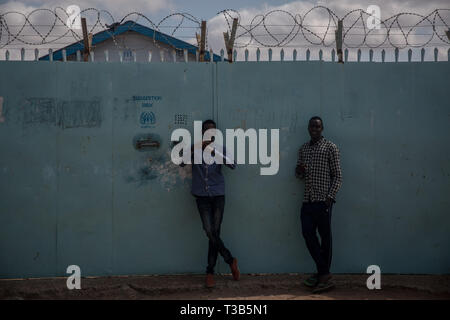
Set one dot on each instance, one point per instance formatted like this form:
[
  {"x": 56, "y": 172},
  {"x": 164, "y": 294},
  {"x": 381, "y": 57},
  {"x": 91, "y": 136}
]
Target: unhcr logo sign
[{"x": 147, "y": 119}]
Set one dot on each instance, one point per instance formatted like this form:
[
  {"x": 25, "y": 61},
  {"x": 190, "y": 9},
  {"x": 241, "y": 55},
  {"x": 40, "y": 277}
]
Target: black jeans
[
  {"x": 211, "y": 213},
  {"x": 316, "y": 216}
]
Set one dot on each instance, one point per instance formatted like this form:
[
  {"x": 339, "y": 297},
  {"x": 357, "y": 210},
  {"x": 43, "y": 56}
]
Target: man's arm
[
  {"x": 300, "y": 168},
  {"x": 335, "y": 172},
  {"x": 228, "y": 159}
]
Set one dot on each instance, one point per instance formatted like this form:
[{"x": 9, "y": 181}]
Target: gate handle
[{"x": 146, "y": 143}]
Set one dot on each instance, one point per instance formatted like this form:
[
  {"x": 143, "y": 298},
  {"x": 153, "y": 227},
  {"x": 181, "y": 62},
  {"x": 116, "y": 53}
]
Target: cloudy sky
[{"x": 280, "y": 23}]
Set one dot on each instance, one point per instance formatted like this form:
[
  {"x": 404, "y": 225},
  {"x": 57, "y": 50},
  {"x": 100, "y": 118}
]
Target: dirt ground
[{"x": 268, "y": 286}]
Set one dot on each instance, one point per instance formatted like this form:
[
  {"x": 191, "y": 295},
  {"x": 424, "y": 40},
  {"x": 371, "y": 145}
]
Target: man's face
[
  {"x": 315, "y": 128},
  {"x": 208, "y": 126}
]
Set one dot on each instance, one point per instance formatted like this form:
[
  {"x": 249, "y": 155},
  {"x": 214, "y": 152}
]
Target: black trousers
[
  {"x": 315, "y": 216},
  {"x": 211, "y": 213}
]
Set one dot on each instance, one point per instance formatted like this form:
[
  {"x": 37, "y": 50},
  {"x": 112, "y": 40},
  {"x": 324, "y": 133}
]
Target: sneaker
[
  {"x": 324, "y": 284},
  {"x": 312, "y": 281},
  {"x": 210, "y": 281},
  {"x": 235, "y": 270}
]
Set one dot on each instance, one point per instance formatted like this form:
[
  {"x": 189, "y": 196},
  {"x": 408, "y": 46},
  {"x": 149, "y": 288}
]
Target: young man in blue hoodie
[{"x": 208, "y": 187}]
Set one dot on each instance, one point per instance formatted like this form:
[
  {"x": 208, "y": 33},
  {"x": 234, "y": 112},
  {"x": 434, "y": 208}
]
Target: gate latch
[{"x": 146, "y": 143}]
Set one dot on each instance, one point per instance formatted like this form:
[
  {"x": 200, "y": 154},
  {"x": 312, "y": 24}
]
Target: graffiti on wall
[{"x": 63, "y": 113}]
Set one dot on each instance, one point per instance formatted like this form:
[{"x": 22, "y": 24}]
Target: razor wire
[
  {"x": 298, "y": 25},
  {"x": 60, "y": 17},
  {"x": 254, "y": 31}
]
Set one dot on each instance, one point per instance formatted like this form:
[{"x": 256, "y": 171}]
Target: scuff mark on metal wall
[
  {"x": 160, "y": 168},
  {"x": 39, "y": 111},
  {"x": 171, "y": 175},
  {"x": 63, "y": 113},
  {"x": 2, "y": 118},
  {"x": 78, "y": 113},
  {"x": 141, "y": 175}
]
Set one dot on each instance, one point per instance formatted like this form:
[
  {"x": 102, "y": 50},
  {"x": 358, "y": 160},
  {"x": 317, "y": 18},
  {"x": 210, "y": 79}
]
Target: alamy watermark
[
  {"x": 74, "y": 20},
  {"x": 214, "y": 152},
  {"x": 374, "y": 281},
  {"x": 374, "y": 21},
  {"x": 74, "y": 280}
]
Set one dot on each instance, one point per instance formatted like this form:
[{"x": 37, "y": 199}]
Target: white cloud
[{"x": 287, "y": 37}]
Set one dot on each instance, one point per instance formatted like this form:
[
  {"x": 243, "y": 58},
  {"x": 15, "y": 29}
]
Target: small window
[{"x": 128, "y": 55}]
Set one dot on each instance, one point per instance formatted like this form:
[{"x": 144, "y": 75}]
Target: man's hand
[
  {"x": 206, "y": 143},
  {"x": 328, "y": 202},
  {"x": 300, "y": 169}
]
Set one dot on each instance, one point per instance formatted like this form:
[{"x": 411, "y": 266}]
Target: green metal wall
[{"x": 75, "y": 190}]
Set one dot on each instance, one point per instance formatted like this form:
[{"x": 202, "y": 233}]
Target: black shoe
[
  {"x": 312, "y": 281},
  {"x": 324, "y": 284}
]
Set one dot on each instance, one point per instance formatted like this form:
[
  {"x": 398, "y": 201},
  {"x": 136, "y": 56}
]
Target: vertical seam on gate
[
  {"x": 112, "y": 185},
  {"x": 58, "y": 129},
  {"x": 216, "y": 110},
  {"x": 216, "y": 95},
  {"x": 212, "y": 91}
]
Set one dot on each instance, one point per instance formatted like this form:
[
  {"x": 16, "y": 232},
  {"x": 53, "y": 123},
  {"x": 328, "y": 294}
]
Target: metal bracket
[{"x": 338, "y": 36}]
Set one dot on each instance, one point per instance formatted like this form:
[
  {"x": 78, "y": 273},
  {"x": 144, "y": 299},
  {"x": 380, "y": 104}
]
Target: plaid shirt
[{"x": 323, "y": 176}]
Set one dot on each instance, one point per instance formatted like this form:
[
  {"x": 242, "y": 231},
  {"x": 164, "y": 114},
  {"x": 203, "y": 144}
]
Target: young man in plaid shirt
[{"x": 319, "y": 165}]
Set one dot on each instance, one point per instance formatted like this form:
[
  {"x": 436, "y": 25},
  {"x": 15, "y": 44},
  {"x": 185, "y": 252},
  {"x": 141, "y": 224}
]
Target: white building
[{"x": 132, "y": 42}]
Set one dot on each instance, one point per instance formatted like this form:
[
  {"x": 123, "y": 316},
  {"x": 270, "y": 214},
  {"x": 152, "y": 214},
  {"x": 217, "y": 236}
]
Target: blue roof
[{"x": 127, "y": 26}]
